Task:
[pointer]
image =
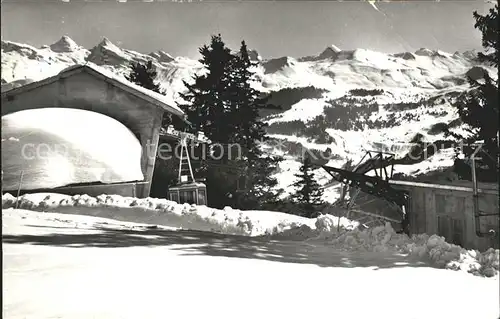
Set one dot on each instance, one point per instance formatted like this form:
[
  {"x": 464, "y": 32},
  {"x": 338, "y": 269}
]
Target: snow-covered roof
[{"x": 167, "y": 103}]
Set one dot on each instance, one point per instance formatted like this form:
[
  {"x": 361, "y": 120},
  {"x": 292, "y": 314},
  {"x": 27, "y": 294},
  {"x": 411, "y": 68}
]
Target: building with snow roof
[{"x": 97, "y": 131}]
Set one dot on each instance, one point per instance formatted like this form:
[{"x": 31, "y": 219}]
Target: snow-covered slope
[{"x": 346, "y": 100}]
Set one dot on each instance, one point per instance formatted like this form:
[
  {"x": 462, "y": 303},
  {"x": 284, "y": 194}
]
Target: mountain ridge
[
  {"x": 345, "y": 100},
  {"x": 328, "y": 52}
]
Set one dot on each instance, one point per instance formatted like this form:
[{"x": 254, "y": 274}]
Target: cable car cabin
[{"x": 191, "y": 193}]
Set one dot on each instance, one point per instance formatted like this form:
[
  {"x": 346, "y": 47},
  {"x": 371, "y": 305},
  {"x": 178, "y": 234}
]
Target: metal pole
[
  {"x": 189, "y": 162},
  {"x": 498, "y": 152},
  {"x": 475, "y": 198},
  {"x": 19, "y": 189},
  {"x": 494, "y": 237},
  {"x": 180, "y": 160}
]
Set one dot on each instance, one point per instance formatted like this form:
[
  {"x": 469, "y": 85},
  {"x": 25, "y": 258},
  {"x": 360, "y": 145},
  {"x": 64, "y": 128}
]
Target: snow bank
[
  {"x": 431, "y": 248},
  {"x": 169, "y": 213},
  {"x": 322, "y": 227},
  {"x": 342, "y": 233},
  {"x": 346, "y": 236}
]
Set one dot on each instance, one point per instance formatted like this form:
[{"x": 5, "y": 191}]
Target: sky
[{"x": 273, "y": 28}]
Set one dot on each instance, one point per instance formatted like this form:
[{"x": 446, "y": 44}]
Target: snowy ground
[{"x": 75, "y": 266}]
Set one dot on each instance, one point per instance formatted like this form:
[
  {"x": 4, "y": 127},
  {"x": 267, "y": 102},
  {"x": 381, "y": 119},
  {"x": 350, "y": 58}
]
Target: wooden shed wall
[{"x": 450, "y": 213}]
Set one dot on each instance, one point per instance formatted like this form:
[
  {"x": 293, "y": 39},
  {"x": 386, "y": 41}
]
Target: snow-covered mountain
[
  {"x": 23, "y": 63},
  {"x": 333, "y": 69},
  {"x": 348, "y": 101}
]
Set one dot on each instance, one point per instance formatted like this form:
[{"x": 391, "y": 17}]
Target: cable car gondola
[{"x": 188, "y": 190}]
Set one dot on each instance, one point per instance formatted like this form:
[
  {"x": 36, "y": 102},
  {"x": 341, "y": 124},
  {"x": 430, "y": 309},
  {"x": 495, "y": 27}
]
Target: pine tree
[
  {"x": 479, "y": 107},
  {"x": 489, "y": 27},
  {"x": 207, "y": 98},
  {"x": 260, "y": 190},
  {"x": 221, "y": 103},
  {"x": 245, "y": 105},
  {"x": 207, "y": 107},
  {"x": 309, "y": 194},
  {"x": 249, "y": 132},
  {"x": 144, "y": 75}
]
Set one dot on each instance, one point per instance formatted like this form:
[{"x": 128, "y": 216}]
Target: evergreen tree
[
  {"x": 245, "y": 105},
  {"x": 478, "y": 108},
  {"x": 144, "y": 75},
  {"x": 249, "y": 132},
  {"x": 208, "y": 97},
  {"x": 309, "y": 193},
  {"x": 207, "y": 107},
  {"x": 489, "y": 27},
  {"x": 221, "y": 103},
  {"x": 260, "y": 191}
]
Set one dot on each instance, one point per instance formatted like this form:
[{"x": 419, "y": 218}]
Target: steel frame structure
[{"x": 357, "y": 180}]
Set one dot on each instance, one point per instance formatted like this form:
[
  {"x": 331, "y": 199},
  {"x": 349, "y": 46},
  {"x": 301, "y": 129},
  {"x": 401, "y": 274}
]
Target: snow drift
[
  {"x": 433, "y": 248},
  {"x": 166, "y": 213}
]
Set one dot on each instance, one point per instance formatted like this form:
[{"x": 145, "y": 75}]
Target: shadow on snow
[{"x": 190, "y": 243}]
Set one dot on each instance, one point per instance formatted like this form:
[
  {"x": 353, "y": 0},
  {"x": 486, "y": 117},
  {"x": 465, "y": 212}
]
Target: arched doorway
[{"x": 55, "y": 147}]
